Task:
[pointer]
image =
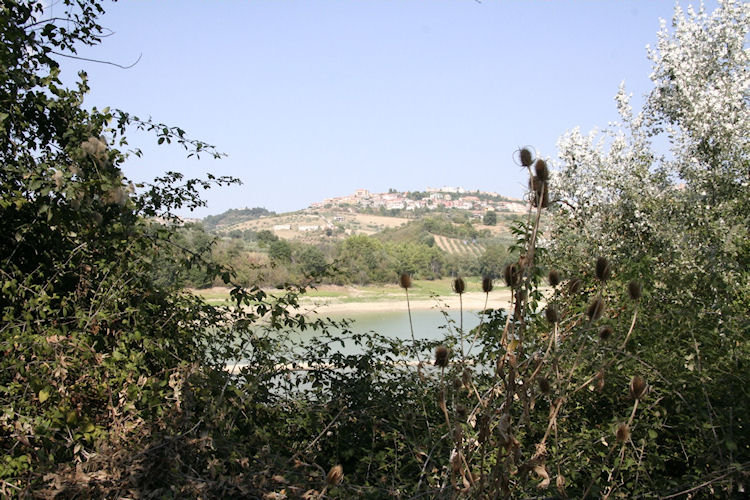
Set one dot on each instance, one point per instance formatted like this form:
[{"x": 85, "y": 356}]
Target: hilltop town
[{"x": 476, "y": 202}]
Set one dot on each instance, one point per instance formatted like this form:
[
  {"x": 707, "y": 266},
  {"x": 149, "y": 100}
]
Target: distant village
[{"x": 476, "y": 202}]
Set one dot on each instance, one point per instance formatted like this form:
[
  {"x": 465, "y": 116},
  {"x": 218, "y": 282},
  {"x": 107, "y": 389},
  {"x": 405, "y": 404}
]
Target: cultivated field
[
  {"x": 310, "y": 225},
  {"x": 458, "y": 246}
]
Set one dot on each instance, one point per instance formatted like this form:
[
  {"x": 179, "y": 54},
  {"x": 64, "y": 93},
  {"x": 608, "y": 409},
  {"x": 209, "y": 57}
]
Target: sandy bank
[{"x": 471, "y": 302}]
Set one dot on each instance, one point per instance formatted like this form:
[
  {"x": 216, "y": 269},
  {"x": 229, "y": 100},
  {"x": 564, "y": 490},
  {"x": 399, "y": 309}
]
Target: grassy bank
[{"x": 421, "y": 290}]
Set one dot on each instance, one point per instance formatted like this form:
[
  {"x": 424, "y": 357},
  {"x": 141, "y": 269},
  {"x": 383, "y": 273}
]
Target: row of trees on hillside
[{"x": 263, "y": 259}]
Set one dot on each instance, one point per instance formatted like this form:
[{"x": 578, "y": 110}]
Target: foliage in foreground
[{"x": 628, "y": 378}]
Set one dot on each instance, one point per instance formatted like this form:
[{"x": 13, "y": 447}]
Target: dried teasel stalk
[
  {"x": 634, "y": 290},
  {"x": 335, "y": 475},
  {"x": 512, "y": 274},
  {"x": 442, "y": 354},
  {"x": 539, "y": 191},
  {"x": 544, "y": 385},
  {"x": 622, "y": 433},
  {"x": 553, "y": 277},
  {"x": 459, "y": 285},
  {"x": 638, "y": 387},
  {"x": 541, "y": 170},
  {"x": 457, "y": 384},
  {"x": 575, "y": 285},
  {"x": 603, "y": 269},
  {"x": 560, "y": 484},
  {"x": 405, "y": 281},
  {"x": 527, "y": 158},
  {"x": 600, "y": 381},
  {"x": 596, "y": 309},
  {"x": 551, "y": 314}
]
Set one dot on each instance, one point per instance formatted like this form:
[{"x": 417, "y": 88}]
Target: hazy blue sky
[{"x": 314, "y": 99}]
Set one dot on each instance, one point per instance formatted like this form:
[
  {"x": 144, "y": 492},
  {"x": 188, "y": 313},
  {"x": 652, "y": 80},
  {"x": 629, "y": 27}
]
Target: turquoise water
[{"x": 428, "y": 325}]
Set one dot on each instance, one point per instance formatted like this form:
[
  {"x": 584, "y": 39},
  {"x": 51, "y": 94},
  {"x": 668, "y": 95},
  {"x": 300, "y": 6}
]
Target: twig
[
  {"x": 324, "y": 430},
  {"x": 99, "y": 61},
  {"x": 625, "y": 342}
]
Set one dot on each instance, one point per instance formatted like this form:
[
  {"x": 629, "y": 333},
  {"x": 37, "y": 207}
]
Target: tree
[
  {"x": 493, "y": 260},
  {"x": 362, "y": 259},
  {"x": 280, "y": 251},
  {"x": 98, "y": 351},
  {"x": 266, "y": 237},
  {"x": 679, "y": 223},
  {"x": 490, "y": 218},
  {"x": 311, "y": 260}
]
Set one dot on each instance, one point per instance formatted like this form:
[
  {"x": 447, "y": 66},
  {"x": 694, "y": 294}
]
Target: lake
[{"x": 428, "y": 325}]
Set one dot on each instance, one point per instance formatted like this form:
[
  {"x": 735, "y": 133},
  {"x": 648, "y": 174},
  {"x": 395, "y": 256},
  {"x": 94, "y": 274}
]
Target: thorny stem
[
  {"x": 616, "y": 470},
  {"x": 635, "y": 315},
  {"x": 411, "y": 329},
  {"x": 481, "y": 323},
  {"x": 461, "y": 324}
]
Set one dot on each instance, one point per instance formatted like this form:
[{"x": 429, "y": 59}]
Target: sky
[{"x": 314, "y": 99}]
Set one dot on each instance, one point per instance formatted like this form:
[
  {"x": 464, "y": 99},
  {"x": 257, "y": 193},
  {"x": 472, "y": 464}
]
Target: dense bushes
[{"x": 625, "y": 377}]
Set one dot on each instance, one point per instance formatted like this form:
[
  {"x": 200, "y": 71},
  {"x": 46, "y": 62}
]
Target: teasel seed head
[
  {"x": 638, "y": 387},
  {"x": 486, "y": 284},
  {"x": 457, "y": 384},
  {"x": 441, "y": 356},
  {"x": 545, "y": 198},
  {"x": 500, "y": 367},
  {"x": 405, "y": 280},
  {"x": 634, "y": 290},
  {"x": 544, "y": 385},
  {"x": 462, "y": 412},
  {"x": 539, "y": 192},
  {"x": 551, "y": 314},
  {"x": 553, "y": 277},
  {"x": 466, "y": 378},
  {"x": 575, "y": 285},
  {"x": 459, "y": 286},
  {"x": 603, "y": 269},
  {"x": 511, "y": 274},
  {"x": 623, "y": 433},
  {"x": 335, "y": 475},
  {"x": 560, "y": 484},
  {"x": 596, "y": 309},
  {"x": 527, "y": 158},
  {"x": 455, "y": 462},
  {"x": 458, "y": 433},
  {"x": 541, "y": 170},
  {"x": 605, "y": 332},
  {"x": 535, "y": 185},
  {"x": 600, "y": 381}
]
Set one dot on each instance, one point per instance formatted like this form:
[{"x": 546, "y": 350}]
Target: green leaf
[{"x": 43, "y": 395}]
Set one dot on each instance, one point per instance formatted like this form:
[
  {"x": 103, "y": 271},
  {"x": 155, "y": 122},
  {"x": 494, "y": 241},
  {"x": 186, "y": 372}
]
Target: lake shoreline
[
  {"x": 342, "y": 300},
  {"x": 472, "y": 301}
]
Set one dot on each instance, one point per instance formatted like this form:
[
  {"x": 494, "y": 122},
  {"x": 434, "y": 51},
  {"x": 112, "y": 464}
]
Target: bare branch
[{"x": 98, "y": 60}]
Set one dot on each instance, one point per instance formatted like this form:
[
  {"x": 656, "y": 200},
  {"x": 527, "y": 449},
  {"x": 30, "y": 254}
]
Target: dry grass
[{"x": 353, "y": 223}]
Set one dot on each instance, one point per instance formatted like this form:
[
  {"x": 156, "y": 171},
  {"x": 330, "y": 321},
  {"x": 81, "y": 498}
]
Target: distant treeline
[
  {"x": 260, "y": 258},
  {"x": 234, "y": 216}
]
